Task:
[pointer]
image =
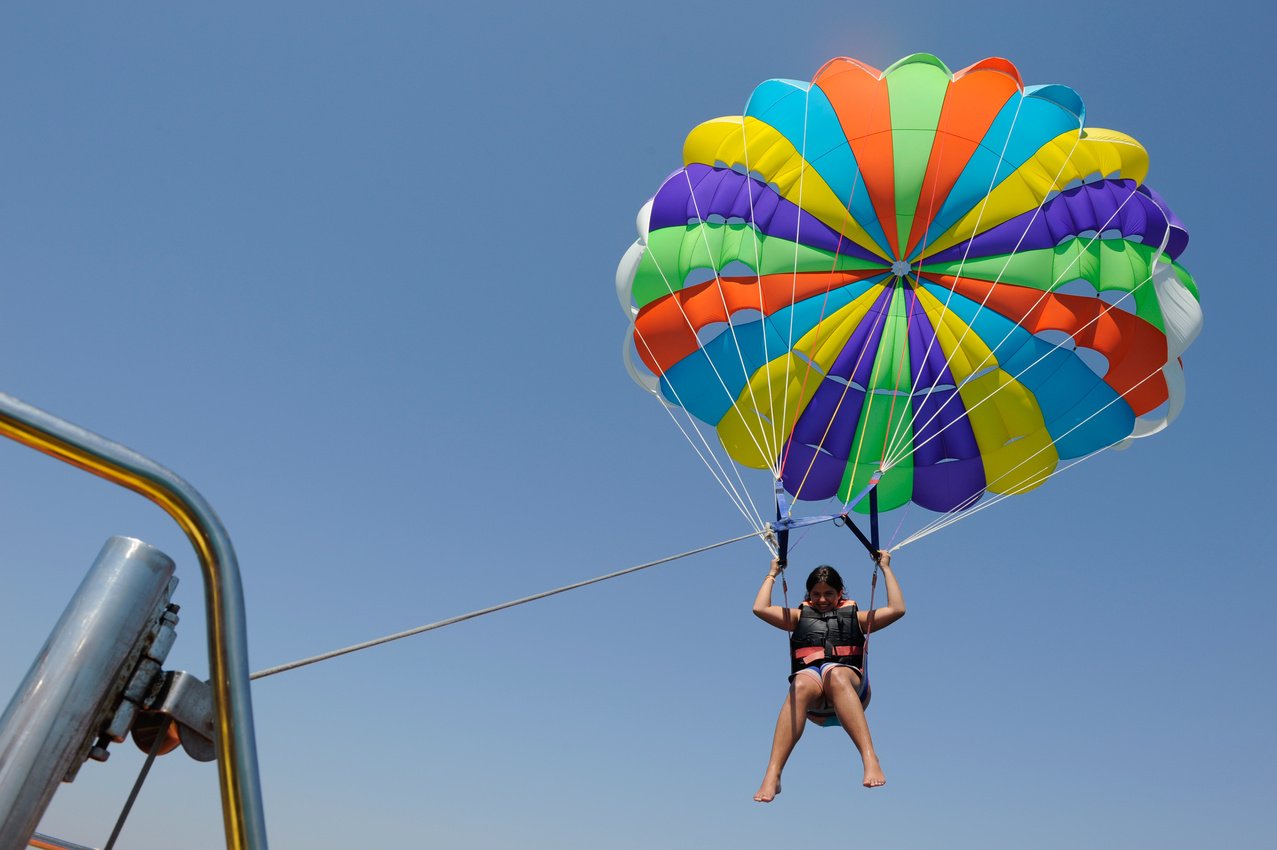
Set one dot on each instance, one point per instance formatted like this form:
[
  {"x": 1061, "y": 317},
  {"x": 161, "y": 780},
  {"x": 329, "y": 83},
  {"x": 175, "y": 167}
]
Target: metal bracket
[
  {"x": 138, "y": 679},
  {"x": 182, "y": 710}
]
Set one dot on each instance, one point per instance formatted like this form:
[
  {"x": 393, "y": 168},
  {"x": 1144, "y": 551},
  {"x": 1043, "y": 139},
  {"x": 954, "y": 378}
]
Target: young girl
[{"x": 827, "y": 640}]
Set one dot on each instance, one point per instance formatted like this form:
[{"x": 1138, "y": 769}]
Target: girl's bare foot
[
  {"x": 768, "y": 790},
  {"x": 873, "y": 773}
]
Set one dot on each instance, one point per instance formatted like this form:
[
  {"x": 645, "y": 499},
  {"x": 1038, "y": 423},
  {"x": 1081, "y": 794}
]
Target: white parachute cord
[
  {"x": 951, "y": 517},
  {"x": 692, "y": 327},
  {"x": 766, "y": 447},
  {"x": 957, "y": 347},
  {"x": 846, "y": 388},
  {"x": 1045, "y": 293},
  {"x": 811, "y": 365},
  {"x": 756, "y": 239},
  {"x": 984, "y": 203},
  {"x": 979, "y": 370},
  {"x": 740, "y": 497}
]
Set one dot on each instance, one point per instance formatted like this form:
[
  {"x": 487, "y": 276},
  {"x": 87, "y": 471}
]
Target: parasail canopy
[{"x": 943, "y": 279}]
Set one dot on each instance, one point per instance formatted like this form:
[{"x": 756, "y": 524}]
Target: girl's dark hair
[{"x": 828, "y": 575}]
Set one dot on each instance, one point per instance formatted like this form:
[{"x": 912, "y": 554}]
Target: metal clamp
[{"x": 183, "y": 710}]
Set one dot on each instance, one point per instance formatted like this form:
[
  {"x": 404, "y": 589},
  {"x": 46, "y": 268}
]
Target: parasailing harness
[{"x": 834, "y": 636}]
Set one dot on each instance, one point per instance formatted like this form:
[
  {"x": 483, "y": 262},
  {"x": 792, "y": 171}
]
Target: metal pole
[
  {"x": 57, "y": 711},
  {"x": 48, "y": 842},
  {"x": 242, "y": 811}
]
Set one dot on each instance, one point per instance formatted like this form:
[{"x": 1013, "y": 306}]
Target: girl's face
[{"x": 824, "y": 598}]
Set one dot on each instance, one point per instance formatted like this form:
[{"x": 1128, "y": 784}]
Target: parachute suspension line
[
  {"x": 949, "y": 518},
  {"x": 439, "y": 624},
  {"x": 959, "y": 514},
  {"x": 888, "y": 435},
  {"x": 1101, "y": 314},
  {"x": 899, "y": 430},
  {"x": 1045, "y": 293},
  {"x": 764, "y": 322},
  {"x": 815, "y": 345},
  {"x": 793, "y": 277},
  {"x": 841, "y": 398},
  {"x": 692, "y": 327},
  {"x": 767, "y": 449},
  {"x": 984, "y": 203},
  {"x": 1036, "y": 304},
  {"x": 864, "y": 432},
  {"x": 739, "y": 497},
  {"x": 900, "y": 523},
  {"x": 1055, "y": 180}
]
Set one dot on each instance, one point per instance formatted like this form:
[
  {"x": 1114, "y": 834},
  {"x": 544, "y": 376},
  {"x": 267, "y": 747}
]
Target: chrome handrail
[{"x": 240, "y": 784}]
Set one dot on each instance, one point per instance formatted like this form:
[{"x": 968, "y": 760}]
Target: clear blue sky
[{"x": 348, "y": 269}]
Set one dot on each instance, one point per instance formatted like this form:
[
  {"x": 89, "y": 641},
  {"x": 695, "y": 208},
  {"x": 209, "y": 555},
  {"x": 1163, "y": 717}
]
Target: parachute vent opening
[
  {"x": 746, "y": 317},
  {"x": 980, "y": 373},
  {"x": 738, "y": 268},
  {"x": 935, "y": 388},
  {"x": 1056, "y": 339},
  {"x": 1077, "y": 286},
  {"x": 846, "y": 382},
  {"x": 1092, "y": 359},
  {"x": 1119, "y": 299},
  {"x": 697, "y": 276},
  {"x": 1072, "y": 184},
  {"x": 739, "y": 168},
  {"x": 710, "y": 332},
  {"x": 815, "y": 367},
  {"x": 1096, "y": 362}
]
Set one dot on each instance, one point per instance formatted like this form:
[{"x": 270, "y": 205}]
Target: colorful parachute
[{"x": 941, "y": 280}]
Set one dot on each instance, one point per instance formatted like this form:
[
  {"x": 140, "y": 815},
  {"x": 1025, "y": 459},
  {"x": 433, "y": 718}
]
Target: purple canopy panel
[
  {"x": 927, "y": 360},
  {"x": 1100, "y": 206},
  {"x": 948, "y": 486},
  {"x": 830, "y": 418},
  {"x": 946, "y": 459},
  {"x": 810, "y": 474},
  {"x": 723, "y": 192},
  {"x": 1179, "y": 234},
  {"x": 941, "y": 428},
  {"x": 856, "y": 360}
]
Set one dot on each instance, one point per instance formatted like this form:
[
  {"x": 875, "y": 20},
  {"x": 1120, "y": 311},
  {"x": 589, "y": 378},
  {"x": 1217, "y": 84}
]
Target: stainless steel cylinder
[{"x": 57, "y": 710}]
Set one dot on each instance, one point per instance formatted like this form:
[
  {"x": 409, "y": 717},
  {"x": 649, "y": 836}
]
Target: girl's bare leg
[
  {"x": 803, "y": 692},
  {"x": 841, "y": 684}
]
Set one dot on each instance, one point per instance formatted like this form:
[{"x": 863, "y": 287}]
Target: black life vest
[{"x": 822, "y": 638}]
